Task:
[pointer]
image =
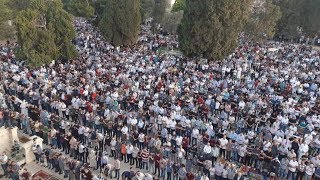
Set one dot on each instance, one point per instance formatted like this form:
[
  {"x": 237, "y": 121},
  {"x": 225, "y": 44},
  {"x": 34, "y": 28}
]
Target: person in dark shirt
[
  {"x": 295, "y": 145},
  {"x": 267, "y": 159},
  {"x": 127, "y": 174},
  {"x": 274, "y": 150},
  {"x": 175, "y": 168},
  {"x": 200, "y": 161},
  {"x": 25, "y": 174},
  {"x": 190, "y": 176},
  {"x": 157, "y": 159},
  {"x": 86, "y": 174},
  {"x": 6, "y": 118}
]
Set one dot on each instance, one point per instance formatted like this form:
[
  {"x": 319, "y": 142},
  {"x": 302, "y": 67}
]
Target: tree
[
  {"x": 147, "y": 7},
  {"x": 172, "y": 21},
  {"x": 9, "y": 10},
  {"x": 99, "y": 7},
  {"x": 159, "y": 12},
  {"x": 179, "y": 5},
  {"x": 311, "y": 14},
  {"x": 44, "y": 33},
  {"x": 299, "y": 17},
  {"x": 210, "y": 29},
  {"x": 18, "y": 5},
  {"x": 6, "y": 31},
  {"x": 263, "y": 20},
  {"x": 79, "y": 8},
  {"x": 291, "y": 18},
  {"x": 120, "y": 23}
]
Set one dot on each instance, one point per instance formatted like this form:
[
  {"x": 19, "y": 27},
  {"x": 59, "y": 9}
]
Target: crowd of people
[{"x": 256, "y": 113}]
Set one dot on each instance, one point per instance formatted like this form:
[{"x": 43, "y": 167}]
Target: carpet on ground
[{"x": 41, "y": 175}]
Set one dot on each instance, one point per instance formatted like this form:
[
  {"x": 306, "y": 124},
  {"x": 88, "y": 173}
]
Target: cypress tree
[
  {"x": 263, "y": 20},
  {"x": 210, "y": 29},
  {"x": 120, "y": 23},
  {"x": 44, "y": 33}
]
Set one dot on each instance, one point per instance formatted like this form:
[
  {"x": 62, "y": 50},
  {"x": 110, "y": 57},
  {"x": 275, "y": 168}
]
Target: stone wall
[{"x": 7, "y": 137}]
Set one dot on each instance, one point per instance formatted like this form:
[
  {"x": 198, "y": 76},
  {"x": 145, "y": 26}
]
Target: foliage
[
  {"x": 79, "y": 8},
  {"x": 44, "y": 33},
  {"x": 311, "y": 12},
  {"x": 210, "y": 29},
  {"x": 99, "y": 7},
  {"x": 179, "y": 5},
  {"x": 287, "y": 27},
  {"x": 18, "y": 5},
  {"x": 263, "y": 21},
  {"x": 120, "y": 23},
  {"x": 298, "y": 17},
  {"x": 159, "y": 12},
  {"x": 172, "y": 21},
  {"x": 5, "y": 15},
  {"x": 147, "y": 7}
]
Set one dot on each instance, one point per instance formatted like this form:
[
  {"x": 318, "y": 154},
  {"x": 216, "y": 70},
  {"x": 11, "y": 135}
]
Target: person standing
[
  {"x": 61, "y": 160},
  {"x": 169, "y": 169},
  {"x": 25, "y": 175},
  {"x": 15, "y": 171},
  {"x": 4, "y": 162},
  {"x": 182, "y": 172},
  {"x": 145, "y": 158},
  {"x": 310, "y": 169},
  {"x": 129, "y": 153},
  {"x": 157, "y": 159},
  {"x": 1, "y": 118},
  {"x": 66, "y": 164},
  {"x": 135, "y": 153},
  {"x": 81, "y": 149},
  {"x": 77, "y": 170},
  {"x": 116, "y": 165},
  {"x": 292, "y": 167}
]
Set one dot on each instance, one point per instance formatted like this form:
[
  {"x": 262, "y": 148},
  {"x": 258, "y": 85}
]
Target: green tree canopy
[
  {"x": 79, "y": 8},
  {"x": 263, "y": 20},
  {"x": 44, "y": 33},
  {"x": 172, "y": 21},
  {"x": 18, "y": 5},
  {"x": 179, "y": 5},
  {"x": 99, "y": 7},
  {"x": 120, "y": 23},
  {"x": 311, "y": 14},
  {"x": 298, "y": 17},
  {"x": 147, "y": 7},
  {"x": 5, "y": 14},
  {"x": 291, "y": 18},
  {"x": 210, "y": 29},
  {"x": 159, "y": 12}
]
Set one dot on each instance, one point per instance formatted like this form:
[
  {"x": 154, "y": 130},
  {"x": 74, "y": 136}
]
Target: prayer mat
[{"x": 41, "y": 175}]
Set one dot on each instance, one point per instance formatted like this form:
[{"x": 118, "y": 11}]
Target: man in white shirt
[
  {"x": 3, "y": 162},
  {"x": 100, "y": 138},
  {"x": 303, "y": 149},
  {"x": 292, "y": 167},
  {"x": 125, "y": 130},
  {"x": 81, "y": 151},
  {"x": 223, "y": 145},
  {"x": 310, "y": 169},
  {"x": 217, "y": 106},
  {"x": 179, "y": 140},
  {"x": 207, "y": 150},
  {"x": 129, "y": 149},
  {"x": 195, "y": 133},
  {"x": 81, "y": 132}
]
